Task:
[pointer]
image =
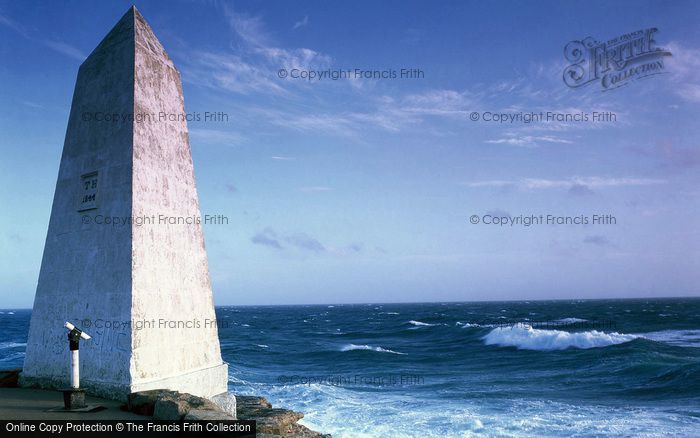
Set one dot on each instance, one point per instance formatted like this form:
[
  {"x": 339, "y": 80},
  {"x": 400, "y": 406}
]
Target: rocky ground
[
  {"x": 173, "y": 405},
  {"x": 273, "y": 422},
  {"x": 162, "y": 404}
]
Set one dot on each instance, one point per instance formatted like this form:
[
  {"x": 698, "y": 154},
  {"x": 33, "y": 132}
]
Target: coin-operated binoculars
[{"x": 74, "y": 397}]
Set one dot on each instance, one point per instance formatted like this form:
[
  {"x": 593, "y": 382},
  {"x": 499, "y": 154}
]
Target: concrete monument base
[
  {"x": 206, "y": 382},
  {"x": 73, "y": 398}
]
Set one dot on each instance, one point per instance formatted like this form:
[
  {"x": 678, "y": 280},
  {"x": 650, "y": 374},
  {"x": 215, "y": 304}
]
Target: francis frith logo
[{"x": 616, "y": 62}]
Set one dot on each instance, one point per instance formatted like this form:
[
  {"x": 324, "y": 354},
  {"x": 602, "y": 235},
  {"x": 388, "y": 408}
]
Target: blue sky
[{"x": 361, "y": 190}]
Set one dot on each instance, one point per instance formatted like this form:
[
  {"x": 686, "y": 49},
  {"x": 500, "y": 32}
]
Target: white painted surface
[
  {"x": 74, "y": 369},
  {"x": 106, "y": 279}
]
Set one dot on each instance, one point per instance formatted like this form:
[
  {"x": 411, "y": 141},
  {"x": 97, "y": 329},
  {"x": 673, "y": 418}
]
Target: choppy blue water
[{"x": 557, "y": 368}]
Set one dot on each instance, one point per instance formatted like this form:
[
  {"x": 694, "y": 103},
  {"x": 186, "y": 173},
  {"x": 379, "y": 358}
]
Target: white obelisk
[{"x": 141, "y": 289}]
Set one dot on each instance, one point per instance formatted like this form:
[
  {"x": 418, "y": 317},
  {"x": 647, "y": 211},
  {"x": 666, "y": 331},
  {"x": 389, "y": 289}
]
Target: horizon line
[{"x": 438, "y": 302}]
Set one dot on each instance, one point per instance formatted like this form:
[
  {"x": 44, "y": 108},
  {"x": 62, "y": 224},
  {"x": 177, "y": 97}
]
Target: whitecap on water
[
  {"x": 420, "y": 323},
  {"x": 351, "y": 347},
  {"x": 466, "y": 324},
  {"x": 526, "y": 337},
  {"x": 680, "y": 338},
  {"x": 564, "y": 321},
  {"x": 7, "y": 345}
]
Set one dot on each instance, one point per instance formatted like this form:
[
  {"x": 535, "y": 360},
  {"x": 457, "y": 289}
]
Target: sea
[{"x": 606, "y": 368}]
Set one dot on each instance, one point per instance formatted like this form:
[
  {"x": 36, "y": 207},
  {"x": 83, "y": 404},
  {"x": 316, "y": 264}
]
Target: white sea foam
[
  {"x": 680, "y": 338},
  {"x": 421, "y": 324},
  {"x": 262, "y": 345},
  {"x": 12, "y": 357},
  {"x": 466, "y": 324},
  {"x": 565, "y": 321},
  {"x": 525, "y": 337},
  {"x": 343, "y": 412},
  {"x": 5, "y": 345},
  {"x": 351, "y": 347}
]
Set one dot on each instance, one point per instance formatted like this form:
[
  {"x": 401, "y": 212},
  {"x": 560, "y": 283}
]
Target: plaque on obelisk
[{"x": 124, "y": 256}]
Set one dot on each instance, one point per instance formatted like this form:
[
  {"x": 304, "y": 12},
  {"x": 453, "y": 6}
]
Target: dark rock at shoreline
[
  {"x": 170, "y": 408},
  {"x": 172, "y": 405},
  {"x": 252, "y": 402},
  {"x": 143, "y": 402},
  {"x": 208, "y": 415},
  {"x": 163, "y": 404},
  {"x": 272, "y": 422},
  {"x": 9, "y": 378}
]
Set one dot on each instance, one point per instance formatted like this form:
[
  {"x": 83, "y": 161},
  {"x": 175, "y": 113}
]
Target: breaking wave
[
  {"x": 420, "y": 324},
  {"x": 680, "y": 338},
  {"x": 527, "y": 338},
  {"x": 351, "y": 347}
]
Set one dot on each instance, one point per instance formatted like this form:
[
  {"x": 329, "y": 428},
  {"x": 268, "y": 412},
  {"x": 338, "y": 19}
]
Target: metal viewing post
[{"x": 74, "y": 397}]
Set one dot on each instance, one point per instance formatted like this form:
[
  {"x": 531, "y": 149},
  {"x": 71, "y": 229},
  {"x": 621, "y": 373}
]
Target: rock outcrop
[
  {"x": 271, "y": 422},
  {"x": 163, "y": 404}
]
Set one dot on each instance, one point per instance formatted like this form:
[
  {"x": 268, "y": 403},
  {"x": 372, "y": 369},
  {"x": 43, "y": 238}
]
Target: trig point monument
[{"x": 124, "y": 256}]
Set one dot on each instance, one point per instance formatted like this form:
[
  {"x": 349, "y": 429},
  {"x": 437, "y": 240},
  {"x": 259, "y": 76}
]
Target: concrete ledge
[
  {"x": 33, "y": 404},
  {"x": 113, "y": 391},
  {"x": 206, "y": 382}
]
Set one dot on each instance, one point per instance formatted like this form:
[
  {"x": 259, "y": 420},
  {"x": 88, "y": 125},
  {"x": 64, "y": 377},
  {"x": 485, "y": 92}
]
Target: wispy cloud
[
  {"x": 528, "y": 140},
  {"x": 389, "y": 114},
  {"x": 65, "y": 49},
  {"x": 597, "y": 240},
  {"x": 54, "y": 44},
  {"x": 315, "y": 189},
  {"x": 31, "y": 104},
  {"x": 305, "y": 242},
  {"x": 301, "y": 242},
  {"x": 249, "y": 28},
  {"x": 332, "y": 124},
  {"x": 438, "y": 103},
  {"x": 580, "y": 190},
  {"x": 229, "y": 72},
  {"x": 214, "y": 136},
  {"x": 301, "y": 23},
  {"x": 268, "y": 237},
  {"x": 498, "y": 213},
  {"x": 252, "y": 65},
  {"x": 575, "y": 183},
  {"x": 12, "y": 24},
  {"x": 282, "y": 158},
  {"x": 671, "y": 156},
  {"x": 684, "y": 67}
]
